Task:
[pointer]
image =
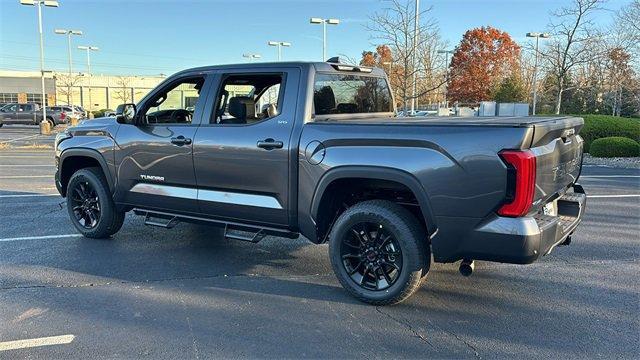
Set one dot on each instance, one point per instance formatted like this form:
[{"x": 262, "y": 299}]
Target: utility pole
[{"x": 535, "y": 68}]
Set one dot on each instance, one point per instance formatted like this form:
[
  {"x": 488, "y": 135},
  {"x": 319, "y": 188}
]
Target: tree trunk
[{"x": 559, "y": 100}]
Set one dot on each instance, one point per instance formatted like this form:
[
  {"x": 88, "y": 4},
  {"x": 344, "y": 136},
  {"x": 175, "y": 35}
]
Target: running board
[{"x": 232, "y": 230}]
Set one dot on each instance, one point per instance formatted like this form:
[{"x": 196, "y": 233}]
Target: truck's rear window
[{"x": 350, "y": 94}]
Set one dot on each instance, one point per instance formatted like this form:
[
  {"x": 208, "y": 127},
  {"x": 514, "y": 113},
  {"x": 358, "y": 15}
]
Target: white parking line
[
  {"x": 26, "y": 176},
  {"x": 40, "y": 165},
  {"x": 27, "y": 195},
  {"x": 610, "y": 176},
  {"x": 41, "y": 237},
  {"x": 30, "y": 343},
  {"x": 18, "y": 139},
  {"x": 612, "y": 196},
  {"x": 44, "y": 155}
]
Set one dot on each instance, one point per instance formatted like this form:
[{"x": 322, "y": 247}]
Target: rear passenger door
[{"x": 243, "y": 148}]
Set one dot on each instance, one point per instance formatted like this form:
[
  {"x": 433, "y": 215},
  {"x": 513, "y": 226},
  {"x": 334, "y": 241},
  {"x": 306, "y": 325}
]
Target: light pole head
[
  {"x": 316, "y": 20},
  {"x": 545, "y": 35},
  {"x": 27, "y": 2},
  {"x": 75, "y": 32},
  {"x": 285, "y": 43},
  {"x": 51, "y": 3},
  {"x": 273, "y": 43},
  {"x": 60, "y": 31},
  {"x": 333, "y": 21}
]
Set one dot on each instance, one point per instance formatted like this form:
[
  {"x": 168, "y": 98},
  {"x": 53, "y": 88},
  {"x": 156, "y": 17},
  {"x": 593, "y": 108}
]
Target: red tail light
[
  {"x": 521, "y": 182},
  {"x": 63, "y": 115}
]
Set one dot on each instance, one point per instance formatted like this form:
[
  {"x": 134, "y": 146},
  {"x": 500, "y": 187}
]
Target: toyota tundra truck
[{"x": 315, "y": 149}]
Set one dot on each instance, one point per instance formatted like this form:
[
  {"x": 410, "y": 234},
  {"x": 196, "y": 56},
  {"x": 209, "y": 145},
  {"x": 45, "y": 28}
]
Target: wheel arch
[
  {"x": 72, "y": 160},
  {"x": 348, "y": 173}
]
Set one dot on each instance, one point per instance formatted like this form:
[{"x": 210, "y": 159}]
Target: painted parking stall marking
[{"x": 36, "y": 342}]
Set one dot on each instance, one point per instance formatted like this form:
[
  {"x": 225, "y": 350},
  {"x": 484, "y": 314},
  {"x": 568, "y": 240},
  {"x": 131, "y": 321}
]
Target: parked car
[
  {"x": 29, "y": 113},
  {"x": 61, "y": 114},
  {"x": 327, "y": 159}
]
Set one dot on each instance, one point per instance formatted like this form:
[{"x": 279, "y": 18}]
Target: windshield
[{"x": 350, "y": 94}]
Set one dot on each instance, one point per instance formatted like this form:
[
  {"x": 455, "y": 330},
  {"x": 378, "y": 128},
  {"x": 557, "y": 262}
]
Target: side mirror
[{"x": 126, "y": 113}]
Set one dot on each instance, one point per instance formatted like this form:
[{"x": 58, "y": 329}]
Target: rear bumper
[{"x": 523, "y": 240}]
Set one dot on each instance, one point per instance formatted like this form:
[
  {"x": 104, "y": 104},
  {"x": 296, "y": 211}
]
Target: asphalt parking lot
[{"x": 188, "y": 293}]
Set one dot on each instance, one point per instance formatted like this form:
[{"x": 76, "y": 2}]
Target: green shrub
[
  {"x": 602, "y": 126},
  {"x": 615, "y": 147},
  {"x": 100, "y": 113}
]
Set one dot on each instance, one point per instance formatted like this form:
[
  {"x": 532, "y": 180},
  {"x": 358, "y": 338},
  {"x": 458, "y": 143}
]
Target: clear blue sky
[{"x": 164, "y": 36}]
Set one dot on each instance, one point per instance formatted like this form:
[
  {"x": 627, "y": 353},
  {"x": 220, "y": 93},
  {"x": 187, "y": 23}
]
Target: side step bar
[
  {"x": 243, "y": 233},
  {"x": 233, "y": 231},
  {"x": 163, "y": 222}
]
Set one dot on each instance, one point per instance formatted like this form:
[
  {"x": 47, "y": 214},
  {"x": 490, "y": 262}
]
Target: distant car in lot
[
  {"x": 27, "y": 113},
  {"x": 61, "y": 114}
]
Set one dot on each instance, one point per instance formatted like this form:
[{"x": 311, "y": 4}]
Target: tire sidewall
[{"x": 395, "y": 225}]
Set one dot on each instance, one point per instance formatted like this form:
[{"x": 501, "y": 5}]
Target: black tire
[
  {"x": 51, "y": 122},
  {"x": 107, "y": 220},
  {"x": 406, "y": 233}
]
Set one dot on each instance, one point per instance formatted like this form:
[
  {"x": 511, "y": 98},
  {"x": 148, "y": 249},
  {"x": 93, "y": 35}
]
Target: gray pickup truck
[
  {"x": 316, "y": 149},
  {"x": 28, "y": 113}
]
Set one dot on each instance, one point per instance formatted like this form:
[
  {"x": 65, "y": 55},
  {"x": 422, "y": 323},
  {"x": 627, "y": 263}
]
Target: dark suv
[{"x": 316, "y": 149}]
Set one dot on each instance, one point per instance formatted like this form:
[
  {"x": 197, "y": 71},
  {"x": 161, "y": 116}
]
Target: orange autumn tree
[{"x": 484, "y": 58}]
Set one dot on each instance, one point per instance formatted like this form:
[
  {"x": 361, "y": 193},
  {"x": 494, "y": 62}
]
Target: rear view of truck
[{"x": 543, "y": 203}]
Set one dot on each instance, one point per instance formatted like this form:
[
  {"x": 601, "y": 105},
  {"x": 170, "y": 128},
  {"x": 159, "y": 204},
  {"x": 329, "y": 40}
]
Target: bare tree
[
  {"x": 66, "y": 83},
  {"x": 571, "y": 44},
  {"x": 394, "y": 27},
  {"x": 123, "y": 89}
]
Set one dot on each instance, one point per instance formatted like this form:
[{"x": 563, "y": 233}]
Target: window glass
[
  {"x": 175, "y": 105},
  {"x": 247, "y": 99},
  {"x": 349, "y": 94}
]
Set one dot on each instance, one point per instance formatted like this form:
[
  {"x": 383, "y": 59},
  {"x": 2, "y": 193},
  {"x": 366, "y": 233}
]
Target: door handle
[
  {"x": 269, "y": 144},
  {"x": 180, "y": 140}
]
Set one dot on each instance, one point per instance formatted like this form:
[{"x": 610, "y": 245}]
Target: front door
[
  {"x": 154, "y": 164},
  {"x": 242, "y": 149}
]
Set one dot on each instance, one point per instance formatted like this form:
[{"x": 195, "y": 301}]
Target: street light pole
[
  {"x": 324, "y": 23},
  {"x": 251, "y": 56},
  {"x": 38, "y": 4},
  {"x": 68, "y": 33},
  {"x": 89, "y": 49},
  {"x": 279, "y": 45},
  {"x": 446, "y": 74},
  {"x": 415, "y": 57},
  {"x": 535, "y": 68}
]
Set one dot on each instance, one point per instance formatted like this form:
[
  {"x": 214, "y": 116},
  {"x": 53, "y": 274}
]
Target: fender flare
[
  {"x": 90, "y": 153},
  {"x": 380, "y": 173}
]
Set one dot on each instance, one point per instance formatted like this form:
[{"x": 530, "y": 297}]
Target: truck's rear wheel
[
  {"x": 91, "y": 206},
  {"x": 377, "y": 252}
]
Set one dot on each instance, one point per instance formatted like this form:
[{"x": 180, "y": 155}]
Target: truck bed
[{"x": 511, "y": 121}]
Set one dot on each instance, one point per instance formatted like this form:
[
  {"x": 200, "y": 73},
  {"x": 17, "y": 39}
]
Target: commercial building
[{"x": 91, "y": 92}]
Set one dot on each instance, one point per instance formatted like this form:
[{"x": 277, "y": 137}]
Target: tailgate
[{"x": 557, "y": 146}]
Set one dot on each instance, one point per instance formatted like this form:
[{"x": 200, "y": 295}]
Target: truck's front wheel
[
  {"x": 377, "y": 252},
  {"x": 90, "y": 205}
]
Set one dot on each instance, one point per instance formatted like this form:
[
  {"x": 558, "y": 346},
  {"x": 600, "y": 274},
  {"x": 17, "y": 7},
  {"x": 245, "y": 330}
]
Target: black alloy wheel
[
  {"x": 85, "y": 204},
  {"x": 371, "y": 256}
]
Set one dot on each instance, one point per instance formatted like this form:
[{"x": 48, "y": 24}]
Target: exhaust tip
[{"x": 466, "y": 267}]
